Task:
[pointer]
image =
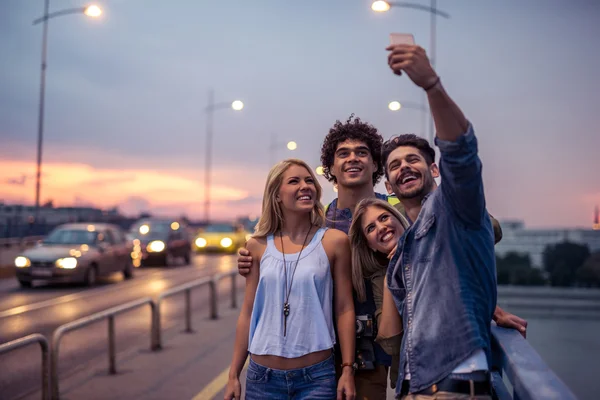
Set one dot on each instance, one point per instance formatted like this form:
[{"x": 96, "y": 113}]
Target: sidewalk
[
  {"x": 189, "y": 367},
  {"x": 185, "y": 366}
]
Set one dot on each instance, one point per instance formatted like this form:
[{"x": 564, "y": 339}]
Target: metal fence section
[
  {"x": 27, "y": 340},
  {"x": 528, "y": 374},
  {"x": 80, "y": 323},
  {"x": 187, "y": 289}
]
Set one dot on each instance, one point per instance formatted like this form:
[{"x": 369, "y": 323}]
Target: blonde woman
[
  {"x": 374, "y": 234},
  {"x": 300, "y": 279}
]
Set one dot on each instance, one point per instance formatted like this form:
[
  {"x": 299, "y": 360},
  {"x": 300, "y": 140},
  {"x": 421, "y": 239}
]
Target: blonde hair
[
  {"x": 364, "y": 263},
  {"x": 271, "y": 218}
]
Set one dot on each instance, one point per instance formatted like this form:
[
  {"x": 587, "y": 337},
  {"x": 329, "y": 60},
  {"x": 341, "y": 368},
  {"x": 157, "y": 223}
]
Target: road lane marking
[
  {"x": 82, "y": 294},
  {"x": 216, "y": 385}
]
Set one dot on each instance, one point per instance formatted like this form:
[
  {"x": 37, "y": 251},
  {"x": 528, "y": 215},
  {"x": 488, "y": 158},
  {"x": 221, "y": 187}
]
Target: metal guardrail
[
  {"x": 528, "y": 374},
  {"x": 80, "y": 323},
  {"x": 9, "y": 242},
  {"x": 187, "y": 289},
  {"x": 24, "y": 341}
]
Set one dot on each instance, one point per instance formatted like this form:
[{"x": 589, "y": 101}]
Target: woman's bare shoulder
[
  {"x": 256, "y": 244},
  {"x": 336, "y": 237}
]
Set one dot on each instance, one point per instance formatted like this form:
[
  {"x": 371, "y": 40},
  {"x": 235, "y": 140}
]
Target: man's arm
[
  {"x": 460, "y": 165},
  {"x": 450, "y": 122}
]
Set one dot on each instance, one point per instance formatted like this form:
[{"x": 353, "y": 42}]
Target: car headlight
[
  {"x": 22, "y": 262},
  {"x": 66, "y": 263},
  {"x": 226, "y": 242},
  {"x": 200, "y": 242},
  {"x": 156, "y": 246}
]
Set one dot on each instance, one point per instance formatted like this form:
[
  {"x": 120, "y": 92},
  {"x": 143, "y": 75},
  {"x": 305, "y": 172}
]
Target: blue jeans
[{"x": 314, "y": 382}]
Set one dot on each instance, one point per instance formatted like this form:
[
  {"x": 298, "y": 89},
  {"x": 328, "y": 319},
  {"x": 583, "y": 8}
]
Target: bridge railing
[
  {"x": 80, "y": 323},
  {"x": 212, "y": 283},
  {"x": 25, "y": 341},
  {"x": 528, "y": 374}
]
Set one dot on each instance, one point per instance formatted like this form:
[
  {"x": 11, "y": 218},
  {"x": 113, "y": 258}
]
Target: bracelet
[
  {"x": 428, "y": 88},
  {"x": 352, "y": 365}
]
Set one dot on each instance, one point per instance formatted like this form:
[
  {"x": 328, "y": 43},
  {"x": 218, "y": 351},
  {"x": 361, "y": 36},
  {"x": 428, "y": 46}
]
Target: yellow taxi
[{"x": 221, "y": 237}]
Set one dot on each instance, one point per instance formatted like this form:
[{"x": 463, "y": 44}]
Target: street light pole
[
  {"x": 274, "y": 145},
  {"x": 432, "y": 59},
  {"x": 90, "y": 11},
  {"x": 383, "y": 6},
  {"x": 397, "y": 106},
  {"x": 210, "y": 109},
  {"x": 41, "y": 109}
]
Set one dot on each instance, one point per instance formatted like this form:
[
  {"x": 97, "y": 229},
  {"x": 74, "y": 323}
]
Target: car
[
  {"x": 79, "y": 252},
  {"x": 161, "y": 241},
  {"x": 221, "y": 237}
]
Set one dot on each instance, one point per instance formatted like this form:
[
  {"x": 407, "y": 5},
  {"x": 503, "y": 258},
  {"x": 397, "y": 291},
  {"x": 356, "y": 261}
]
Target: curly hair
[{"x": 352, "y": 129}]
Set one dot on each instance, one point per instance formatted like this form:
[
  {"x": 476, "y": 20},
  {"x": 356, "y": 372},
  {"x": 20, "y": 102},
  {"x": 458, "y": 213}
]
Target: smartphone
[{"x": 402, "y": 38}]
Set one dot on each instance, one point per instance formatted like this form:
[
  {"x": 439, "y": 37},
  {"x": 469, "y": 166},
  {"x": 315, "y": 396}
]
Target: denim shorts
[{"x": 314, "y": 382}]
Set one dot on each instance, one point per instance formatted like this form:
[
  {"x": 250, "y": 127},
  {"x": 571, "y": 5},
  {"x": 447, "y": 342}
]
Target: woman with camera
[
  {"x": 374, "y": 234},
  {"x": 300, "y": 279}
]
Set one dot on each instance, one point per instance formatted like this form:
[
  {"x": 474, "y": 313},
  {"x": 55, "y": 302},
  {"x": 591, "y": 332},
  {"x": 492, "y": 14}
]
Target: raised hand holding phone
[{"x": 406, "y": 56}]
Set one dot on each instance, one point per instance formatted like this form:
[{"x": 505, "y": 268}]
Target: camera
[
  {"x": 365, "y": 326},
  {"x": 365, "y": 335}
]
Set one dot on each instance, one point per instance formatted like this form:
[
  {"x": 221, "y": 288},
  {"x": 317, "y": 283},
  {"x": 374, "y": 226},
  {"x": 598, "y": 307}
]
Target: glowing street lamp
[
  {"x": 394, "y": 105},
  {"x": 275, "y": 145},
  {"x": 397, "y": 106},
  {"x": 93, "y": 11},
  {"x": 380, "y": 6},
  {"x": 236, "y": 105}
]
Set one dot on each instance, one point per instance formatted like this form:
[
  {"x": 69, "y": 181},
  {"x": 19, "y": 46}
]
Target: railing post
[
  {"x": 55, "y": 395},
  {"x": 112, "y": 369},
  {"x": 188, "y": 311},
  {"x": 45, "y": 371},
  {"x": 155, "y": 341},
  {"x": 213, "y": 299},
  {"x": 233, "y": 291}
]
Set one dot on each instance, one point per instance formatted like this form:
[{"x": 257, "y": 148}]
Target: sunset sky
[{"x": 125, "y": 96}]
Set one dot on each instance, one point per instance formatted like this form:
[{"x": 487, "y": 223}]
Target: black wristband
[{"x": 428, "y": 88}]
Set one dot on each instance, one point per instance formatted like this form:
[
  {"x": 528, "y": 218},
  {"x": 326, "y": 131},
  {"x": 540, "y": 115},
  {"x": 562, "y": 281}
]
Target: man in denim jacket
[{"x": 443, "y": 274}]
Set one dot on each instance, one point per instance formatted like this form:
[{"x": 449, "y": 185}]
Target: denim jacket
[{"x": 443, "y": 274}]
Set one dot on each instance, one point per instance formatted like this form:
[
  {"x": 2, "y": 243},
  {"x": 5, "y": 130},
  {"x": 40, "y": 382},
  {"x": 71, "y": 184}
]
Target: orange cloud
[{"x": 166, "y": 192}]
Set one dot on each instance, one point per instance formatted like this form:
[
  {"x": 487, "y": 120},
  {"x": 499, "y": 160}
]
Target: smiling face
[
  {"x": 353, "y": 164},
  {"x": 408, "y": 174},
  {"x": 297, "y": 192},
  {"x": 381, "y": 229}
]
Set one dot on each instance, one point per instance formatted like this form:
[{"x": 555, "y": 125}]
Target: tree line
[{"x": 563, "y": 264}]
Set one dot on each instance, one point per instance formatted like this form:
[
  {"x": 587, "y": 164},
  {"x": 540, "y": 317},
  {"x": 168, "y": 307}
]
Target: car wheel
[
  {"x": 128, "y": 271},
  {"x": 25, "y": 284},
  {"x": 91, "y": 276},
  {"x": 187, "y": 258}
]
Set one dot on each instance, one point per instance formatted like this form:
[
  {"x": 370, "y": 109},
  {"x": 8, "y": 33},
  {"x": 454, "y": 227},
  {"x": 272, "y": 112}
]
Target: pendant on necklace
[{"x": 286, "y": 309}]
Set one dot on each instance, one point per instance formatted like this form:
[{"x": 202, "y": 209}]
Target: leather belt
[{"x": 452, "y": 385}]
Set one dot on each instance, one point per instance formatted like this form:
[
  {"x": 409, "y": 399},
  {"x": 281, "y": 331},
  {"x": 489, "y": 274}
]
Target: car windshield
[
  {"x": 220, "y": 228},
  {"x": 71, "y": 236},
  {"x": 150, "y": 230}
]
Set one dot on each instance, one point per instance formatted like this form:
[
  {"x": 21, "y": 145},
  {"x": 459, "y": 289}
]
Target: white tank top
[{"x": 310, "y": 321}]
